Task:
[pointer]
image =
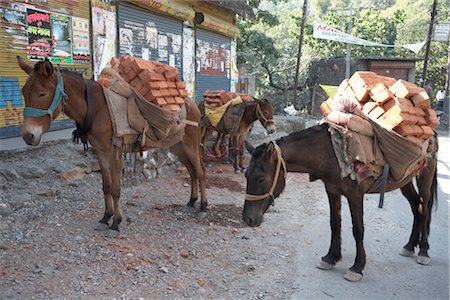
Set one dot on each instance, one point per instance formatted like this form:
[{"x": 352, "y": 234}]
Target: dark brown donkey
[
  {"x": 311, "y": 151},
  {"x": 261, "y": 110},
  {"x": 42, "y": 93}
]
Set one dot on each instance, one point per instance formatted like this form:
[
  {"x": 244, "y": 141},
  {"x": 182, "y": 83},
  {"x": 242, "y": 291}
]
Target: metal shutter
[
  {"x": 140, "y": 29},
  {"x": 213, "y": 62}
]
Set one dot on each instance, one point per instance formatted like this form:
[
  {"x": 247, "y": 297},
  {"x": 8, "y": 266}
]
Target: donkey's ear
[
  {"x": 249, "y": 147},
  {"x": 24, "y": 65},
  {"x": 47, "y": 68},
  {"x": 270, "y": 150}
]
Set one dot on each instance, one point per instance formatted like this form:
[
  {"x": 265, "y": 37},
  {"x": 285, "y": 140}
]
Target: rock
[
  {"x": 9, "y": 173},
  {"x": 164, "y": 270},
  {"x": 73, "y": 174},
  {"x": 30, "y": 172},
  {"x": 184, "y": 253},
  {"x": 200, "y": 282},
  {"x": 5, "y": 210},
  {"x": 49, "y": 193}
]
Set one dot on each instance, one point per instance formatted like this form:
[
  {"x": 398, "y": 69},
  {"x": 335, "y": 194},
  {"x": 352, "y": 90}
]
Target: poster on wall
[
  {"x": 212, "y": 59},
  {"x": 61, "y": 50},
  {"x": 151, "y": 37},
  {"x": 98, "y": 21},
  {"x": 39, "y": 34},
  {"x": 126, "y": 41},
  {"x": 81, "y": 49}
]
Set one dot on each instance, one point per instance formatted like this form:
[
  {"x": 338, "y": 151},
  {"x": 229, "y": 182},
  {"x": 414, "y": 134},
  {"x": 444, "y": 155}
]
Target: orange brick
[
  {"x": 421, "y": 100},
  {"x": 325, "y": 106},
  {"x": 363, "y": 78},
  {"x": 171, "y": 84},
  {"x": 377, "y": 88},
  {"x": 427, "y": 132},
  {"x": 376, "y": 112},
  {"x": 368, "y": 107},
  {"x": 174, "y": 92},
  {"x": 154, "y": 85},
  {"x": 147, "y": 75},
  {"x": 404, "y": 130},
  {"x": 160, "y": 101},
  {"x": 163, "y": 85},
  {"x": 431, "y": 118},
  {"x": 404, "y": 105},
  {"x": 419, "y": 111},
  {"x": 416, "y": 130},
  {"x": 171, "y": 74},
  {"x": 183, "y": 93},
  {"x": 173, "y": 107},
  {"x": 393, "y": 118},
  {"x": 179, "y": 100},
  {"x": 152, "y": 94},
  {"x": 362, "y": 93},
  {"x": 421, "y": 120},
  {"x": 341, "y": 88},
  {"x": 165, "y": 92},
  {"x": 139, "y": 86},
  {"x": 404, "y": 89},
  {"x": 170, "y": 100},
  {"x": 181, "y": 84},
  {"x": 387, "y": 81},
  {"x": 135, "y": 81},
  {"x": 143, "y": 90}
]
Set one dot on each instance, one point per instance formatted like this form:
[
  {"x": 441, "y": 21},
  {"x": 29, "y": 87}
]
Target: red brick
[
  {"x": 171, "y": 84},
  {"x": 173, "y": 107},
  {"x": 154, "y": 85},
  {"x": 181, "y": 84},
  {"x": 160, "y": 101},
  {"x": 387, "y": 81},
  {"x": 342, "y": 87},
  {"x": 404, "y": 130},
  {"x": 394, "y": 118},
  {"x": 183, "y": 93},
  {"x": 152, "y": 94},
  {"x": 171, "y": 74},
  {"x": 368, "y": 107},
  {"x": 404, "y": 89},
  {"x": 179, "y": 100},
  {"x": 404, "y": 105},
  {"x": 376, "y": 112},
  {"x": 363, "y": 79},
  {"x": 427, "y": 132},
  {"x": 143, "y": 90},
  {"x": 419, "y": 111},
  {"x": 174, "y": 92},
  {"x": 431, "y": 118},
  {"x": 416, "y": 130},
  {"x": 421, "y": 120},
  {"x": 163, "y": 85},
  {"x": 325, "y": 106},
  {"x": 165, "y": 92},
  {"x": 135, "y": 81},
  {"x": 421, "y": 100},
  {"x": 170, "y": 100}
]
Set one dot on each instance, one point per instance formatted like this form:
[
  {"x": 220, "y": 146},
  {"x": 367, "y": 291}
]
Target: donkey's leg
[
  {"x": 242, "y": 139},
  {"x": 216, "y": 147},
  {"x": 106, "y": 181},
  {"x": 426, "y": 182},
  {"x": 116, "y": 170},
  {"x": 179, "y": 151},
  {"x": 414, "y": 201},
  {"x": 334, "y": 253},
  {"x": 356, "y": 209},
  {"x": 235, "y": 152},
  {"x": 206, "y": 136}
]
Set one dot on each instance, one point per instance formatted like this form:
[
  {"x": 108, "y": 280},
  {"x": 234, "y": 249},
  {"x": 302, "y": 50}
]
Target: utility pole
[
  {"x": 427, "y": 49},
  {"x": 300, "y": 43},
  {"x": 349, "y": 46}
]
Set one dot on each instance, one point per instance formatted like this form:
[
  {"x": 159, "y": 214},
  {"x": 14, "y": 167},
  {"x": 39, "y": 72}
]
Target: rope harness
[
  {"x": 262, "y": 118},
  {"x": 59, "y": 95},
  {"x": 280, "y": 163}
]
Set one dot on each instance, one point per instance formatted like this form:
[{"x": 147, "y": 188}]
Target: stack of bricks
[
  {"x": 156, "y": 82},
  {"x": 216, "y": 98},
  {"x": 396, "y": 105}
]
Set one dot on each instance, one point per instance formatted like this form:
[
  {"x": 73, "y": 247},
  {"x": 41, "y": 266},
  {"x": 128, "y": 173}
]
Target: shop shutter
[
  {"x": 149, "y": 35},
  {"x": 14, "y": 41},
  {"x": 213, "y": 62}
]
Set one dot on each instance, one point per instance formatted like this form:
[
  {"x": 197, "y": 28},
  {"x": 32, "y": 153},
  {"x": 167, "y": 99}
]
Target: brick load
[
  {"x": 216, "y": 98},
  {"x": 397, "y": 105},
  {"x": 156, "y": 82}
]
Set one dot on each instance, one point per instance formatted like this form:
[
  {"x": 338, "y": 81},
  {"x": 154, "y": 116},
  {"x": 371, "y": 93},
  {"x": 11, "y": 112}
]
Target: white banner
[{"x": 323, "y": 31}]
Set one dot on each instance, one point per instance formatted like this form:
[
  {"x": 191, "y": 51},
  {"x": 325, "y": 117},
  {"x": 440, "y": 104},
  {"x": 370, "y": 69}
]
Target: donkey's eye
[{"x": 42, "y": 95}]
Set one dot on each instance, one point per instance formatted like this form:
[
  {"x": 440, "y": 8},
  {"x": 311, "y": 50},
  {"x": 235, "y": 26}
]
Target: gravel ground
[{"x": 49, "y": 249}]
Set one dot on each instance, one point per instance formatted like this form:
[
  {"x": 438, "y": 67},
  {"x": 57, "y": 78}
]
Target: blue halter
[{"x": 59, "y": 94}]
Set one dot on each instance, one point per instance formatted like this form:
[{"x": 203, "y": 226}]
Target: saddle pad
[
  {"x": 117, "y": 106},
  {"x": 214, "y": 114}
]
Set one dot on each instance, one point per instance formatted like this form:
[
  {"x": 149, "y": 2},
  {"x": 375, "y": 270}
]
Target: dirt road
[{"x": 48, "y": 248}]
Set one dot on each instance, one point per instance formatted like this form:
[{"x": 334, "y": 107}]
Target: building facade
[{"x": 198, "y": 37}]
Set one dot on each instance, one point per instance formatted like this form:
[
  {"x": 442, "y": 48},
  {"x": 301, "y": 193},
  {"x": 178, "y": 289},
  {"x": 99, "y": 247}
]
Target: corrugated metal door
[
  {"x": 213, "y": 62},
  {"x": 44, "y": 29},
  {"x": 149, "y": 35}
]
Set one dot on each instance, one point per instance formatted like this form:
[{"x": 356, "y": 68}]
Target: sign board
[{"x": 441, "y": 32}]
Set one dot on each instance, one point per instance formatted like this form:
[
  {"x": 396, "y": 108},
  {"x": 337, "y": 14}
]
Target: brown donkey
[
  {"x": 47, "y": 92},
  {"x": 311, "y": 151},
  {"x": 261, "y": 110}
]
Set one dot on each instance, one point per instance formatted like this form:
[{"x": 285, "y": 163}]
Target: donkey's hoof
[
  {"x": 101, "y": 226},
  {"x": 406, "y": 252},
  {"x": 202, "y": 215},
  {"x": 423, "y": 260},
  {"x": 112, "y": 234},
  {"x": 353, "y": 276},
  {"x": 323, "y": 265}
]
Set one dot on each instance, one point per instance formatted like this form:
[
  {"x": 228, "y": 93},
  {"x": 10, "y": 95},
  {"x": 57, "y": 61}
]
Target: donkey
[
  {"x": 44, "y": 91},
  {"x": 311, "y": 151}
]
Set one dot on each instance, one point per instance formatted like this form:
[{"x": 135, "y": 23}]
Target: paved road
[{"x": 387, "y": 274}]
